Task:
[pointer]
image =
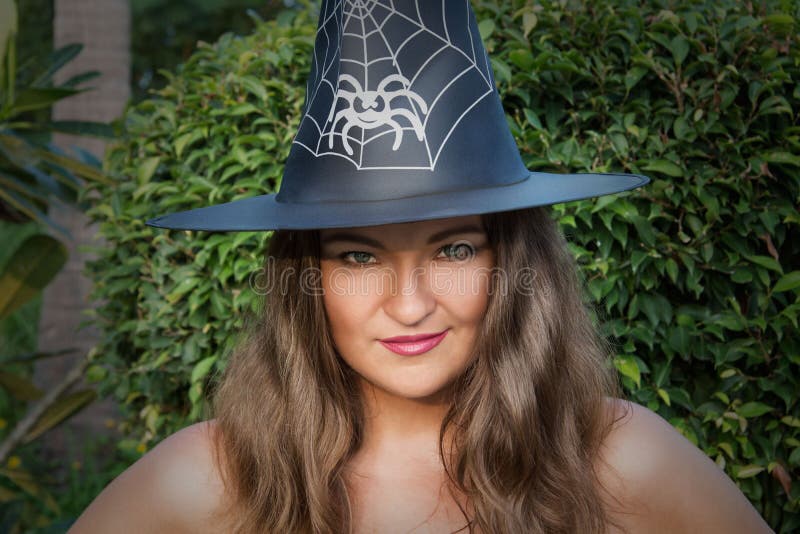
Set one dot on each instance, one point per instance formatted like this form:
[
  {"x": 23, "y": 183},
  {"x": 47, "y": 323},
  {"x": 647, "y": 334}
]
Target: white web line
[
  {"x": 444, "y": 21},
  {"x": 323, "y": 79},
  {"x": 359, "y": 11},
  {"x": 394, "y": 62},
  {"x": 446, "y": 40},
  {"x": 327, "y": 38},
  {"x": 360, "y": 7}
]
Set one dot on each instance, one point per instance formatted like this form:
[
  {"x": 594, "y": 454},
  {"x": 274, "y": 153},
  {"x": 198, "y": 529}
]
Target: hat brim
[{"x": 263, "y": 212}]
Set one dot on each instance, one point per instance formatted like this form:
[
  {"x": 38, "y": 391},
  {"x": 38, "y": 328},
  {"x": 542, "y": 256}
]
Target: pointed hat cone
[{"x": 402, "y": 122}]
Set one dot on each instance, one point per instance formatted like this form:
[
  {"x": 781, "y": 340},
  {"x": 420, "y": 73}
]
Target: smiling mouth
[
  {"x": 416, "y": 337},
  {"x": 419, "y": 344}
]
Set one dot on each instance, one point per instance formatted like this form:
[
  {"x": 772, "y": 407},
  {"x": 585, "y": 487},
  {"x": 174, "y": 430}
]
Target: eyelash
[{"x": 343, "y": 255}]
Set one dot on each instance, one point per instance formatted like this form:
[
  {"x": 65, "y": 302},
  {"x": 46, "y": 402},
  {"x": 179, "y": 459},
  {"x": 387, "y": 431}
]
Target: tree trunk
[{"x": 103, "y": 27}]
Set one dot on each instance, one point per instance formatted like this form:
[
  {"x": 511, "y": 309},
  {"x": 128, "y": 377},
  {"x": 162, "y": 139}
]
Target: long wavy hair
[{"x": 527, "y": 418}]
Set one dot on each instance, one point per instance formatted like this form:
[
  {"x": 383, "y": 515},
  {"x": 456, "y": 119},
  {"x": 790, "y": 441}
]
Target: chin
[{"x": 416, "y": 389}]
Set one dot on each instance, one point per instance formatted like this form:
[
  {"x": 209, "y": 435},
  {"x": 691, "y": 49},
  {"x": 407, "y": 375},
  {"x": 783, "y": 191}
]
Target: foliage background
[
  {"x": 35, "y": 490},
  {"x": 18, "y": 332},
  {"x": 166, "y": 32},
  {"x": 695, "y": 276}
]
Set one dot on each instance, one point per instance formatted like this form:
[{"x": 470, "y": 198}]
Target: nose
[{"x": 409, "y": 299}]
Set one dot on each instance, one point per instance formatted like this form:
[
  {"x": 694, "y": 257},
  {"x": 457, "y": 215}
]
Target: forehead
[{"x": 417, "y": 233}]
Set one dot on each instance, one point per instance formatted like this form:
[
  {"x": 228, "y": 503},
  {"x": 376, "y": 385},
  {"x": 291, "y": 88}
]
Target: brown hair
[{"x": 527, "y": 419}]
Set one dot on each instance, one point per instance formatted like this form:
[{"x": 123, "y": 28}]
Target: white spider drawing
[{"x": 376, "y": 109}]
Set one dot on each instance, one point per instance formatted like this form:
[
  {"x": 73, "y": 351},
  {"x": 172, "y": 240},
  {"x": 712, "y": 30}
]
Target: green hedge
[
  {"x": 695, "y": 276},
  {"x": 173, "y": 301},
  {"x": 165, "y": 32}
]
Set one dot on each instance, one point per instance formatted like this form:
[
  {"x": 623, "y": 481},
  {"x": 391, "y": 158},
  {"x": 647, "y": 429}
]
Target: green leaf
[
  {"x": 202, "y": 368},
  {"x": 678, "y": 339},
  {"x": 187, "y": 140},
  {"x": 19, "y": 386},
  {"x": 92, "y": 129},
  {"x": 679, "y": 47},
  {"x": 522, "y": 58},
  {"x": 665, "y": 167},
  {"x": 529, "y": 21},
  {"x": 96, "y": 373},
  {"x": 748, "y": 471},
  {"x": 254, "y": 86},
  {"x": 637, "y": 258},
  {"x": 682, "y": 128},
  {"x": 38, "y": 355},
  {"x": 58, "y": 59},
  {"x": 656, "y": 307},
  {"x": 753, "y": 409},
  {"x": 501, "y": 70},
  {"x": 35, "y": 98},
  {"x": 661, "y": 373},
  {"x": 195, "y": 392},
  {"x": 147, "y": 168},
  {"x": 633, "y": 76},
  {"x": 26, "y": 206},
  {"x": 239, "y": 110},
  {"x": 8, "y": 31},
  {"x": 742, "y": 275},
  {"x": 644, "y": 229},
  {"x": 62, "y": 409},
  {"x": 787, "y": 282},
  {"x": 791, "y": 421},
  {"x": 619, "y": 143},
  {"x": 181, "y": 288},
  {"x": 681, "y": 397},
  {"x": 80, "y": 79},
  {"x": 672, "y": 269},
  {"x": 626, "y": 365},
  {"x": 780, "y": 23},
  {"x": 782, "y": 157},
  {"x": 766, "y": 261},
  {"x": 84, "y": 170},
  {"x": 31, "y": 267},
  {"x": 486, "y": 28},
  {"x": 532, "y": 118}
]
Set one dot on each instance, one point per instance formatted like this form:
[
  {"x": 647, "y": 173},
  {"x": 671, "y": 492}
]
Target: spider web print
[{"x": 383, "y": 76}]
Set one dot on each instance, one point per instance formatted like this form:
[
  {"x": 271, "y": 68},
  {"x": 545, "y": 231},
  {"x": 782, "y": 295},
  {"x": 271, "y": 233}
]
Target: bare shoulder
[
  {"x": 173, "y": 488},
  {"x": 190, "y": 475},
  {"x": 663, "y": 483}
]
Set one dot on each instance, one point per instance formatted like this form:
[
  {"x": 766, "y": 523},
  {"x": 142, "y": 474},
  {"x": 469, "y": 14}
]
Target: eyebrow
[{"x": 357, "y": 238}]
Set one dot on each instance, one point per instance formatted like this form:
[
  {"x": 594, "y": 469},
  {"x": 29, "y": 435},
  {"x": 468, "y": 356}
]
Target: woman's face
[{"x": 407, "y": 279}]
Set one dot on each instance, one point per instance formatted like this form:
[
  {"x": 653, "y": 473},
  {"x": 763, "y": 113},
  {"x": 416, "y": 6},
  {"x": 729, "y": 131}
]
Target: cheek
[
  {"x": 464, "y": 292},
  {"x": 347, "y": 306}
]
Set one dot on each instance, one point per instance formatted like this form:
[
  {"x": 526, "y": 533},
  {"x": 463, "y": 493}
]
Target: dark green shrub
[
  {"x": 165, "y": 32},
  {"x": 695, "y": 276},
  {"x": 173, "y": 301}
]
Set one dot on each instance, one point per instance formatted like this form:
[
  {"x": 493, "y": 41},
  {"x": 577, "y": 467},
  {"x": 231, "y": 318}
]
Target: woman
[
  {"x": 373, "y": 419},
  {"x": 511, "y": 420},
  {"x": 405, "y": 212}
]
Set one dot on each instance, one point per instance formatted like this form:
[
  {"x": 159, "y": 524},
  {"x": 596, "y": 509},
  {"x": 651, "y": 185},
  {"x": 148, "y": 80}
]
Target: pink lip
[{"x": 413, "y": 345}]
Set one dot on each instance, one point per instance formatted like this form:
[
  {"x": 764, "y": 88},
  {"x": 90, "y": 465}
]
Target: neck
[{"x": 402, "y": 428}]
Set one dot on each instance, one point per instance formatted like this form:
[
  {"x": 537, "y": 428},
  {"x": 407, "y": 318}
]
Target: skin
[
  {"x": 410, "y": 287},
  {"x": 665, "y": 483},
  {"x": 661, "y": 481}
]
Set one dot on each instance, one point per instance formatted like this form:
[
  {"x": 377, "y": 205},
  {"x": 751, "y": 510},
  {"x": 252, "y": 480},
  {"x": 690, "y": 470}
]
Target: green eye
[
  {"x": 459, "y": 251},
  {"x": 454, "y": 252},
  {"x": 355, "y": 254}
]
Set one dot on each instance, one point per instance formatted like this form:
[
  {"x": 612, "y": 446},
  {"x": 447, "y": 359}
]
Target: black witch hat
[{"x": 402, "y": 122}]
